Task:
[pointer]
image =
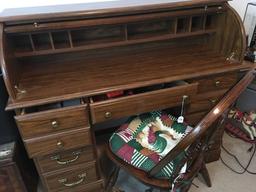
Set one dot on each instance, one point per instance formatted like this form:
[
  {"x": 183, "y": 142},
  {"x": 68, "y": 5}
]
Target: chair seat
[{"x": 145, "y": 139}]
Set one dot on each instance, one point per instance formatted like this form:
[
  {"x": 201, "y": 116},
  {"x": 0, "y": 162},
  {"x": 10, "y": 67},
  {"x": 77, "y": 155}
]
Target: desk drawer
[
  {"x": 140, "y": 103},
  {"x": 72, "y": 178},
  {"x": 97, "y": 186},
  {"x": 60, "y": 142},
  {"x": 65, "y": 159},
  {"x": 194, "y": 119},
  {"x": 51, "y": 121},
  {"x": 204, "y": 102},
  {"x": 216, "y": 82}
]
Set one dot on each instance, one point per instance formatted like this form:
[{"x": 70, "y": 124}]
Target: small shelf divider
[{"x": 105, "y": 36}]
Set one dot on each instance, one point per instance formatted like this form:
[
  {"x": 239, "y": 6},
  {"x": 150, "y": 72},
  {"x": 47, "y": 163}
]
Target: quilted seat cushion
[{"x": 145, "y": 139}]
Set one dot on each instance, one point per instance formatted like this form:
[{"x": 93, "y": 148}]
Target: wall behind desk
[{"x": 240, "y": 6}]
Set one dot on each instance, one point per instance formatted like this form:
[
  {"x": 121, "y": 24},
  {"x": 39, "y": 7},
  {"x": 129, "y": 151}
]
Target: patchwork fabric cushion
[{"x": 145, "y": 139}]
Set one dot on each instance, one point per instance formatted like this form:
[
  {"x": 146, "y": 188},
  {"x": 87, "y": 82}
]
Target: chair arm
[{"x": 206, "y": 122}]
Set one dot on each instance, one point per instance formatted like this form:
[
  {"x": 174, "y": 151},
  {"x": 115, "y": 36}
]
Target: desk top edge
[{"x": 100, "y": 9}]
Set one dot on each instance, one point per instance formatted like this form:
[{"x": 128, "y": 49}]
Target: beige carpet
[{"x": 224, "y": 180}]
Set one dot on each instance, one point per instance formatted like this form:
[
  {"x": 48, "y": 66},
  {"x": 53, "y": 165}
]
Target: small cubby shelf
[{"x": 53, "y": 42}]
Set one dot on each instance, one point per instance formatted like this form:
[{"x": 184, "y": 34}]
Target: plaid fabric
[{"x": 144, "y": 140}]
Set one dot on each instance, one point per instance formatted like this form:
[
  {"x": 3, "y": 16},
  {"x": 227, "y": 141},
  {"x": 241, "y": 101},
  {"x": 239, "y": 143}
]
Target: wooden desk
[{"x": 59, "y": 67}]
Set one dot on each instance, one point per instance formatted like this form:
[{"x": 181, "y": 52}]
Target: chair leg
[
  {"x": 205, "y": 174},
  {"x": 112, "y": 180},
  {"x": 149, "y": 190}
]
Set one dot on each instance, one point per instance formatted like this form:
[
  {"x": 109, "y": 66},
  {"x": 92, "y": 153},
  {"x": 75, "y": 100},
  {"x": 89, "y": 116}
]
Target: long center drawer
[{"x": 140, "y": 103}]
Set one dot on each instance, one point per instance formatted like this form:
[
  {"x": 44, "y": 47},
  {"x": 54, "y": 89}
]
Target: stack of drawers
[
  {"x": 211, "y": 90},
  {"x": 59, "y": 139}
]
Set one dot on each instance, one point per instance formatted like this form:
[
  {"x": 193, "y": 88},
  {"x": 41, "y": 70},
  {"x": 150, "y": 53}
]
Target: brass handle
[
  {"x": 55, "y": 124},
  {"x": 108, "y": 115},
  {"x": 81, "y": 178},
  {"x": 57, "y": 158},
  {"x": 213, "y": 101},
  {"x": 36, "y": 24},
  {"x": 60, "y": 144},
  {"x": 217, "y": 83}
]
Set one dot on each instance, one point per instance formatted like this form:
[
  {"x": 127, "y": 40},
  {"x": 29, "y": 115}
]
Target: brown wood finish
[
  {"x": 193, "y": 119},
  {"x": 216, "y": 82},
  {"x": 50, "y": 58},
  {"x": 16, "y": 173},
  {"x": 204, "y": 101},
  {"x": 107, "y": 21},
  {"x": 141, "y": 103},
  {"x": 86, "y": 80},
  {"x": 30, "y": 17},
  {"x": 152, "y": 181},
  {"x": 189, "y": 140},
  {"x": 204, "y": 124},
  {"x": 52, "y": 121},
  {"x": 97, "y": 186},
  {"x": 9, "y": 70},
  {"x": 213, "y": 155},
  {"x": 236, "y": 40},
  {"x": 137, "y": 40},
  {"x": 10, "y": 179},
  {"x": 58, "y": 142},
  {"x": 57, "y": 161},
  {"x": 56, "y": 182},
  {"x": 204, "y": 172}
]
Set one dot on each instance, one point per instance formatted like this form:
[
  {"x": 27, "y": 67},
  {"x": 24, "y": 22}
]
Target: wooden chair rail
[{"x": 205, "y": 123}]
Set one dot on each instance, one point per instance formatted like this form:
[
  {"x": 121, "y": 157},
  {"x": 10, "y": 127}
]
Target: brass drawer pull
[
  {"x": 213, "y": 101},
  {"x": 81, "y": 178},
  {"x": 57, "y": 158},
  {"x": 36, "y": 24},
  {"x": 217, "y": 83},
  {"x": 60, "y": 144},
  {"x": 55, "y": 124},
  {"x": 108, "y": 115}
]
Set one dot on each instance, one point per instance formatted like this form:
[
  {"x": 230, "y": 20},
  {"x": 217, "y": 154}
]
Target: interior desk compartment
[
  {"x": 169, "y": 95},
  {"x": 52, "y": 118}
]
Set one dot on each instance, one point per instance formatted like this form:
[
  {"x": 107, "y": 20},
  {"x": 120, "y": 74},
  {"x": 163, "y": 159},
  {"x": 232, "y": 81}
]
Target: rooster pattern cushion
[{"x": 145, "y": 139}]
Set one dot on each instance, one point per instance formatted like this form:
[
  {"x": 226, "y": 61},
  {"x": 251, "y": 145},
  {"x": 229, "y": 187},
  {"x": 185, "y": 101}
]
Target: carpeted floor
[{"x": 223, "y": 180}]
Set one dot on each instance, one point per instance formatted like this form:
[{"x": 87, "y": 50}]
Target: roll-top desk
[{"x": 59, "y": 69}]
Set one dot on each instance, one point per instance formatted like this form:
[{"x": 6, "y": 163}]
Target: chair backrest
[
  {"x": 194, "y": 141},
  {"x": 206, "y": 122}
]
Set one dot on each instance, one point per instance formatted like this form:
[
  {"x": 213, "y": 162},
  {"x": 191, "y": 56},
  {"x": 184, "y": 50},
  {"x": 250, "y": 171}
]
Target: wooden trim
[
  {"x": 9, "y": 81},
  {"x": 141, "y": 103},
  {"x": 21, "y": 104},
  {"x": 105, "y": 21},
  {"x": 106, "y": 12},
  {"x": 43, "y": 113}
]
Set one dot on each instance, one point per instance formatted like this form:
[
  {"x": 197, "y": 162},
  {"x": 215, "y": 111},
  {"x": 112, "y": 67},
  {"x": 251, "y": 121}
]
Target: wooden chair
[{"x": 196, "y": 140}]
